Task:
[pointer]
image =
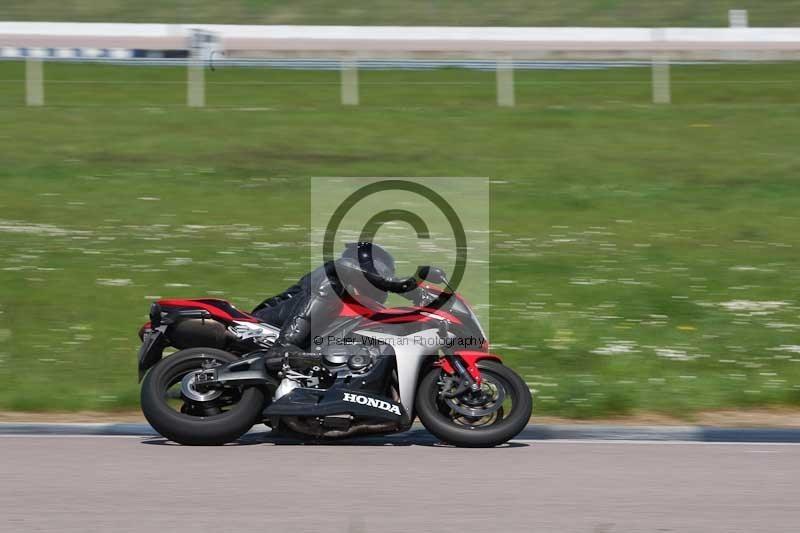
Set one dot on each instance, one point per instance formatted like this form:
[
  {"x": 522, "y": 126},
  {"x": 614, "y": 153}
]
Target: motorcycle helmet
[{"x": 368, "y": 268}]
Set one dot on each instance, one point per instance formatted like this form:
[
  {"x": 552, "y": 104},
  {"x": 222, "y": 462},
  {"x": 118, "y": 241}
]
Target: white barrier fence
[{"x": 504, "y": 47}]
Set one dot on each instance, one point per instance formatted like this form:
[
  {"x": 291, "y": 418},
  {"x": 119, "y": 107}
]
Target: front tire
[
  {"x": 439, "y": 418},
  {"x": 209, "y": 423}
]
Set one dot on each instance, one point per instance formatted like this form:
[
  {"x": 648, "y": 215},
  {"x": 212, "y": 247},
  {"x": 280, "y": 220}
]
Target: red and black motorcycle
[{"x": 373, "y": 370}]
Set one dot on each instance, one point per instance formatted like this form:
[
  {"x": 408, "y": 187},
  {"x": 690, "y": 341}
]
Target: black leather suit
[
  {"x": 315, "y": 300},
  {"x": 315, "y": 297}
]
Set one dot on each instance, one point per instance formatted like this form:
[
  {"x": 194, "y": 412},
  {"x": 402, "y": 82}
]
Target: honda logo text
[{"x": 371, "y": 402}]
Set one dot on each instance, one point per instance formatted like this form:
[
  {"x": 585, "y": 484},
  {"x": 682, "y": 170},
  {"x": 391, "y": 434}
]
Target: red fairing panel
[
  {"x": 352, "y": 309},
  {"x": 471, "y": 359},
  {"x": 399, "y": 315},
  {"x": 218, "y": 308}
]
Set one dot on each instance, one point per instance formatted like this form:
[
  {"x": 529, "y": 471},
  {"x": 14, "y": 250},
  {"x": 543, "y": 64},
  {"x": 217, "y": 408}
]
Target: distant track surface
[{"x": 395, "y": 485}]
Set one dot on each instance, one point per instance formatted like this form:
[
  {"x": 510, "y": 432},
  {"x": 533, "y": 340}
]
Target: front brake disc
[{"x": 486, "y": 403}]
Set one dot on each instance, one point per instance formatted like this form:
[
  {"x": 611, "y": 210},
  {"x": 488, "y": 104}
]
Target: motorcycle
[{"x": 373, "y": 370}]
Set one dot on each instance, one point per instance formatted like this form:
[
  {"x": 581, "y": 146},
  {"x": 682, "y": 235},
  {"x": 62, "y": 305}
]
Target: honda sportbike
[{"x": 373, "y": 370}]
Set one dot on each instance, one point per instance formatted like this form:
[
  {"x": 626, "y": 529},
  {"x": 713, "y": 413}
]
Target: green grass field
[
  {"x": 643, "y": 257},
  {"x": 413, "y": 12}
]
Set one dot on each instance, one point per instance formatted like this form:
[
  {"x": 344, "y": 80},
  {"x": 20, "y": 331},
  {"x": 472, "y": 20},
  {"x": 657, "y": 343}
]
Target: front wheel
[
  {"x": 184, "y": 412},
  {"x": 493, "y": 415}
]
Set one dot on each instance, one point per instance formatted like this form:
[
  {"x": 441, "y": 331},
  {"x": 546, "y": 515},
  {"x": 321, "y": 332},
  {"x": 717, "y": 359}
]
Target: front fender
[{"x": 470, "y": 359}]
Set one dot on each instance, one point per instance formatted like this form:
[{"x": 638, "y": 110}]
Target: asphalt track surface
[{"x": 398, "y": 484}]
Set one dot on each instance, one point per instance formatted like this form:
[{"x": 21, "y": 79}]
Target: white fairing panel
[{"x": 410, "y": 351}]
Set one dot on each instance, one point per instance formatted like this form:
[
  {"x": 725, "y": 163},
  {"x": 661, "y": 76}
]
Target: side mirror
[{"x": 432, "y": 274}]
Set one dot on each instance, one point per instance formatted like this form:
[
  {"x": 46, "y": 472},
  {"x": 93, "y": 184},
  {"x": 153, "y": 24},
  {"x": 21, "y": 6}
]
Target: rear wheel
[
  {"x": 186, "y": 413},
  {"x": 488, "y": 417}
]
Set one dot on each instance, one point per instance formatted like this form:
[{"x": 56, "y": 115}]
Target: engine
[
  {"x": 361, "y": 367},
  {"x": 359, "y": 363},
  {"x": 354, "y": 358}
]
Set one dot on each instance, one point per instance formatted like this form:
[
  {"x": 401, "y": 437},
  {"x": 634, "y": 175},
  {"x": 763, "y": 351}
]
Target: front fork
[
  {"x": 463, "y": 364},
  {"x": 467, "y": 381}
]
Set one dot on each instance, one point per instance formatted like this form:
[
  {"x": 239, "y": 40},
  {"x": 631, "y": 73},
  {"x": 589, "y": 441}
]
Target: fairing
[{"x": 410, "y": 352}]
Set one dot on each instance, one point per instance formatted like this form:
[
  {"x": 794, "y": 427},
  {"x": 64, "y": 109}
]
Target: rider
[{"x": 364, "y": 269}]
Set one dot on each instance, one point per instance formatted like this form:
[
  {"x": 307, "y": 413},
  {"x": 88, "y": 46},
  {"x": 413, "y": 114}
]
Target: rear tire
[
  {"x": 196, "y": 430},
  {"x": 431, "y": 413}
]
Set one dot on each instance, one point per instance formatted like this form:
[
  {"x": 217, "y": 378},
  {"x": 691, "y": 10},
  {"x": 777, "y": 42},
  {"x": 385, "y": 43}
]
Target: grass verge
[{"x": 643, "y": 257}]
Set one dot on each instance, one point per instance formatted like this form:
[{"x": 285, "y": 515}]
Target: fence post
[
  {"x": 505, "y": 82},
  {"x": 661, "y": 88},
  {"x": 349, "y": 82},
  {"x": 202, "y": 45},
  {"x": 737, "y": 18},
  {"x": 196, "y": 83},
  {"x": 34, "y": 82}
]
